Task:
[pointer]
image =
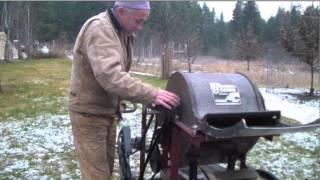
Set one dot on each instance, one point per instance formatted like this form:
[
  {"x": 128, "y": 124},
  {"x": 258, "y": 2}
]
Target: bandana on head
[{"x": 143, "y": 5}]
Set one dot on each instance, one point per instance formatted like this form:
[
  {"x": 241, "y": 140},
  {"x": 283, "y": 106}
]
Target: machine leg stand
[
  {"x": 193, "y": 166},
  {"x": 176, "y": 154},
  {"x": 231, "y": 162}
]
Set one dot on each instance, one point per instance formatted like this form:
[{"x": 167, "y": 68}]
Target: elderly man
[{"x": 100, "y": 79}]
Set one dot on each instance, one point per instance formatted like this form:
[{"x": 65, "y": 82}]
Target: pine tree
[
  {"x": 207, "y": 22},
  {"x": 251, "y": 17},
  {"x": 237, "y": 20}
]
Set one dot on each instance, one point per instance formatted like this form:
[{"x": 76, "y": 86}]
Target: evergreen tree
[
  {"x": 251, "y": 17},
  {"x": 237, "y": 20},
  {"x": 269, "y": 30},
  {"x": 222, "y": 32},
  {"x": 207, "y": 23}
]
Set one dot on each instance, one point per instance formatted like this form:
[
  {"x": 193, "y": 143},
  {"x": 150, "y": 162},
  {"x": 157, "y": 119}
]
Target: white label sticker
[{"x": 225, "y": 94}]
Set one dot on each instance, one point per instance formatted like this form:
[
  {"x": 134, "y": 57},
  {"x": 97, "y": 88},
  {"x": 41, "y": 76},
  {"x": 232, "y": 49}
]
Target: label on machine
[{"x": 225, "y": 94}]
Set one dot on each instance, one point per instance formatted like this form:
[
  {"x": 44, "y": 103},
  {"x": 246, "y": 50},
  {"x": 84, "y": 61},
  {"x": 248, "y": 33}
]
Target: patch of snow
[
  {"x": 303, "y": 140},
  {"x": 27, "y": 144},
  {"x": 70, "y": 57},
  {"x": 36, "y": 81},
  {"x": 44, "y": 50},
  {"x": 279, "y": 99},
  {"x": 149, "y": 64},
  {"x": 143, "y": 74}
]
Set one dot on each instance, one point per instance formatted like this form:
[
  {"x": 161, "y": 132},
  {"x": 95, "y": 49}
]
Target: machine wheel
[
  {"x": 124, "y": 150},
  {"x": 266, "y": 175}
]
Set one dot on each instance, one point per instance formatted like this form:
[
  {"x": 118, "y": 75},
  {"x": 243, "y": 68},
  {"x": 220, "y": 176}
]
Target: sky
[{"x": 266, "y": 8}]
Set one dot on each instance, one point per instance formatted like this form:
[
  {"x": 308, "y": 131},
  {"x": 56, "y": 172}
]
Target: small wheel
[
  {"x": 266, "y": 175},
  {"x": 124, "y": 150}
]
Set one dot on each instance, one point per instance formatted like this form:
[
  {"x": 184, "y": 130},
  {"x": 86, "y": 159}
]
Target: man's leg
[
  {"x": 111, "y": 143},
  {"x": 91, "y": 138}
]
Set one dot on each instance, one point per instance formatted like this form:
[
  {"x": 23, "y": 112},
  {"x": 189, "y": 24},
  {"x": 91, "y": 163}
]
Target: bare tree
[
  {"x": 163, "y": 19},
  {"x": 192, "y": 50},
  {"x": 302, "y": 39},
  {"x": 166, "y": 60},
  {"x": 247, "y": 46},
  {"x": 16, "y": 23},
  {"x": 6, "y": 26},
  {"x": 192, "y": 26}
]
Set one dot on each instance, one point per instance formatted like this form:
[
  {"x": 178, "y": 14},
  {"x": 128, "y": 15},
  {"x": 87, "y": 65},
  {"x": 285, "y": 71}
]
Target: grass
[
  {"x": 155, "y": 81},
  {"x": 34, "y": 87}
]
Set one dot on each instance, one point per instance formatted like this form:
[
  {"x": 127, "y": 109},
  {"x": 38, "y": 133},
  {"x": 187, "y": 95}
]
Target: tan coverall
[{"x": 99, "y": 80}]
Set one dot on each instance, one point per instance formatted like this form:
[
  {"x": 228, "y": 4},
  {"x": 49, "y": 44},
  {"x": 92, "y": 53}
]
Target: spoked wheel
[
  {"x": 266, "y": 175},
  {"x": 124, "y": 151}
]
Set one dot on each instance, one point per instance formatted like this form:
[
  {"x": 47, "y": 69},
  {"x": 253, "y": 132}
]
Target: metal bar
[
  {"x": 179, "y": 130},
  {"x": 176, "y": 153},
  {"x": 242, "y": 130},
  {"x": 192, "y": 135},
  {"x": 143, "y": 143}
]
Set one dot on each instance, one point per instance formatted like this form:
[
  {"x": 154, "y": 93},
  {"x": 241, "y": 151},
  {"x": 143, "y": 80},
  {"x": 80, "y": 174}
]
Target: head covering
[{"x": 141, "y": 5}]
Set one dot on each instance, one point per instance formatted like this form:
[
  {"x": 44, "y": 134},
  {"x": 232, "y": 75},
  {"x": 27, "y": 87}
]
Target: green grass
[
  {"x": 34, "y": 87},
  {"x": 155, "y": 81}
]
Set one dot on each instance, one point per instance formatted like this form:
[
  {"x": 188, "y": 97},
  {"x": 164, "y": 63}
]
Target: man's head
[{"x": 132, "y": 14}]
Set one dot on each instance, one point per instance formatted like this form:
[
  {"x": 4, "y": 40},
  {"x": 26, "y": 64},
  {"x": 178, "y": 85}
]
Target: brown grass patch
[{"x": 292, "y": 74}]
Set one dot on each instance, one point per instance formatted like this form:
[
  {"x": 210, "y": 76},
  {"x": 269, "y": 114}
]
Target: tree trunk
[
  {"x": 29, "y": 47},
  {"x": 166, "y": 61},
  {"x": 140, "y": 55},
  {"x": 189, "y": 65},
  {"x": 248, "y": 64},
  {"x": 150, "y": 49},
  {"x": 0, "y": 85},
  {"x": 7, "y": 51},
  {"x": 19, "y": 49},
  {"x": 311, "y": 87}
]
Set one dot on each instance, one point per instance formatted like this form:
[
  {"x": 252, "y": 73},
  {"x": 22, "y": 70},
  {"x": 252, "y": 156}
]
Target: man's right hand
[{"x": 167, "y": 99}]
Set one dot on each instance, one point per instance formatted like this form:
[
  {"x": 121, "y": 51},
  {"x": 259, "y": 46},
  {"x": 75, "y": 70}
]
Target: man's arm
[{"x": 104, "y": 57}]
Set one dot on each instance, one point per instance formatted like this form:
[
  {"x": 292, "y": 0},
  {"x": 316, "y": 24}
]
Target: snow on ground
[
  {"x": 142, "y": 73},
  {"x": 282, "y": 99},
  {"x": 33, "y": 148},
  {"x": 42, "y": 148}
]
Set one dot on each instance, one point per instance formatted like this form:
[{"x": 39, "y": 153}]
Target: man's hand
[{"x": 167, "y": 99}]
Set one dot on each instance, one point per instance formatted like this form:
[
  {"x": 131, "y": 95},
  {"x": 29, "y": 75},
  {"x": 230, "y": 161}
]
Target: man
[{"x": 102, "y": 58}]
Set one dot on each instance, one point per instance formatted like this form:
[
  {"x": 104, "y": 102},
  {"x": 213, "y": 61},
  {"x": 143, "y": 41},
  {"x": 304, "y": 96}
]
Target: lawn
[{"x": 35, "y": 87}]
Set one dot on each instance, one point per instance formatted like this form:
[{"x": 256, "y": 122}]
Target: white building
[{"x": 3, "y": 38}]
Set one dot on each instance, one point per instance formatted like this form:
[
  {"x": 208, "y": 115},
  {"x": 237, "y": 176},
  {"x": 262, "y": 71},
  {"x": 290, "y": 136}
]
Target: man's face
[{"x": 132, "y": 20}]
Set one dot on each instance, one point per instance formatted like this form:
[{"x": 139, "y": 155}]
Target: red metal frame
[
  {"x": 171, "y": 145},
  {"x": 182, "y": 131}
]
